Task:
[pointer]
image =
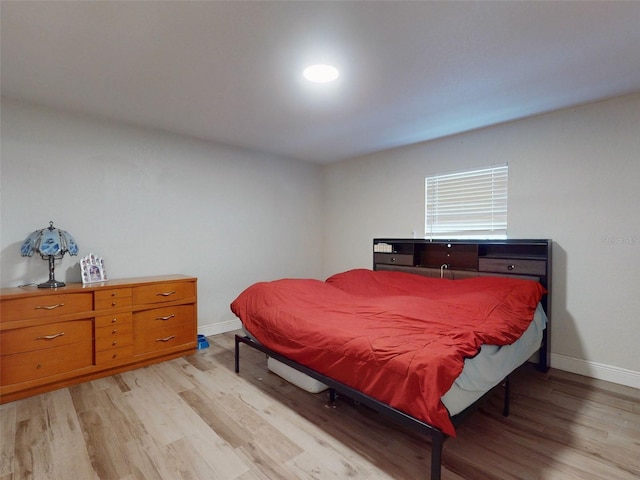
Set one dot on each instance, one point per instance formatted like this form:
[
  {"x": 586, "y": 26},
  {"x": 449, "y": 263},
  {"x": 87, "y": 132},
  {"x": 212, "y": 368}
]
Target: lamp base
[{"x": 51, "y": 284}]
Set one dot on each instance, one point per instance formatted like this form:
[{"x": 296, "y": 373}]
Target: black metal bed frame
[
  {"x": 502, "y": 249},
  {"x": 437, "y": 437}
]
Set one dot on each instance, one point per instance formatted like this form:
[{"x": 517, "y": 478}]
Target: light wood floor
[{"x": 194, "y": 418}]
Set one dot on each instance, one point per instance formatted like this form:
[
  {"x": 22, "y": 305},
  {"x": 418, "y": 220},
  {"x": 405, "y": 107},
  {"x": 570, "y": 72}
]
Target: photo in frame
[{"x": 92, "y": 268}]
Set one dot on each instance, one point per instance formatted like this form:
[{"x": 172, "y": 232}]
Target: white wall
[
  {"x": 152, "y": 203},
  {"x": 574, "y": 177}
]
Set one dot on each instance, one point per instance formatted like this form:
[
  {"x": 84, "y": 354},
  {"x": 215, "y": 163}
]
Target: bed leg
[
  {"x": 507, "y": 397},
  {"x": 331, "y": 402},
  {"x": 437, "y": 441},
  {"x": 237, "y": 355}
]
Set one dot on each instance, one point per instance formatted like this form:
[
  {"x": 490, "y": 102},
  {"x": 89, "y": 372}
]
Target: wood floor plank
[
  {"x": 261, "y": 466},
  {"x": 70, "y": 456},
  {"x": 147, "y": 460},
  {"x": 207, "y": 448},
  {"x": 32, "y": 452},
  {"x": 155, "y": 415},
  {"x": 195, "y": 418},
  {"x": 252, "y": 436},
  {"x": 8, "y": 425},
  {"x": 105, "y": 453},
  {"x": 184, "y": 463}
]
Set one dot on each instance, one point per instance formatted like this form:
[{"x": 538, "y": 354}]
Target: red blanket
[{"x": 397, "y": 337}]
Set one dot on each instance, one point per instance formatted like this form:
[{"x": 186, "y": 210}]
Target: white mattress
[
  {"x": 484, "y": 371},
  {"x": 296, "y": 377},
  {"x": 290, "y": 374}
]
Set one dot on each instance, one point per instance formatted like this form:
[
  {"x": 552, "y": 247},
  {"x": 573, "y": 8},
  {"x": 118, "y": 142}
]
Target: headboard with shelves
[{"x": 456, "y": 259}]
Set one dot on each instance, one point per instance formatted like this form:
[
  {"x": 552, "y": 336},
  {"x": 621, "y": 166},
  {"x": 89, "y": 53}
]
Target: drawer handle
[
  {"x": 49, "y": 307},
  {"x": 165, "y": 294},
  {"x": 511, "y": 267},
  {"x": 168, "y": 317},
  {"x": 166, "y": 339},
  {"x": 50, "y": 337}
]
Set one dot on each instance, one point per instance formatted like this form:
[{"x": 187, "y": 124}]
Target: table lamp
[{"x": 51, "y": 243}]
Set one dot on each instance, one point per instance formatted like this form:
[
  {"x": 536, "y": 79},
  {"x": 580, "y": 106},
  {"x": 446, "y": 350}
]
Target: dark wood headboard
[{"x": 457, "y": 259}]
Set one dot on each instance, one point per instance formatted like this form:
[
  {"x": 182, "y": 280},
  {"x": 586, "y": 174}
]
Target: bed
[{"x": 421, "y": 350}]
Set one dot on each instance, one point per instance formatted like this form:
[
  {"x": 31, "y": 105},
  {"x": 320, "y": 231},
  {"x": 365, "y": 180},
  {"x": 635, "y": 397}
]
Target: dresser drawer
[
  {"x": 162, "y": 317},
  {"x": 115, "y": 355},
  {"x": 512, "y": 265},
  {"x": 393, "y": 258},
  {"x": 163, "y": 292},
  {"x": 46, "y": 306},
  {"x": 113, "y": 320},
  {"x": 22, "y": 367},
  {"x": 163, "y": 338},
  {"x": 113, "y": 337},
  {"x": 112, "y": 298},
  {"x": 43, "y": 337}
]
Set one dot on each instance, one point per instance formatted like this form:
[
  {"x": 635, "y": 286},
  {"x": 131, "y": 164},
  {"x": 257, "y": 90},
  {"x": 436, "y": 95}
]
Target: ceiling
[{"x": 231, "y": 72}]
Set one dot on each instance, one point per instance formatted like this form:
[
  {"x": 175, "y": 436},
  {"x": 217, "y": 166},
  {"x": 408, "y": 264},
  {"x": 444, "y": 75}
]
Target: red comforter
[{"x": 398, "y": 337}]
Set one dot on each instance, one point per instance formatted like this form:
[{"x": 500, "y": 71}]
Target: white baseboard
[
  {"x": 600, "y": 371},
  {"x": 222, "y": 327}
]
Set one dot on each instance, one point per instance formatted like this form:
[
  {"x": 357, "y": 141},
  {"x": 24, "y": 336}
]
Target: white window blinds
[{"x": 470, "y": 204}]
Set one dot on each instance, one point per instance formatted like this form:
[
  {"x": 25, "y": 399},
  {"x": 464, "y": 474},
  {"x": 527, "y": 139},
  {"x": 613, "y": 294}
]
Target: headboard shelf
[
  {"x": 530, "y": 249},
  {"x": 523, "y": 256}
]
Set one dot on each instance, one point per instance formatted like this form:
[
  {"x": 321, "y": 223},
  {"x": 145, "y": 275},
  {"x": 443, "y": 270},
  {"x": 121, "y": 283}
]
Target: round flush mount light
[{"x": 321, "y": 73}]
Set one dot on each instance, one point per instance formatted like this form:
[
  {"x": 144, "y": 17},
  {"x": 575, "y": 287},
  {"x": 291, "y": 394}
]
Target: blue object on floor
[{"x": 202, "y": 342}]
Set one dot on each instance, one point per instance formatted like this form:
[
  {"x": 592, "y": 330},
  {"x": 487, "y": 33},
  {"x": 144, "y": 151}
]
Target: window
[{"x": 470, "y": 204}]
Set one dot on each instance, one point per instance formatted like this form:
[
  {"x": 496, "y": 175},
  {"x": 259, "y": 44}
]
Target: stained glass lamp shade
[{"x": 51, "y": 243}]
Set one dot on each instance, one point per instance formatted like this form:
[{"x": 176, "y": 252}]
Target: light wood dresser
[{"x": 52, "y": 338}]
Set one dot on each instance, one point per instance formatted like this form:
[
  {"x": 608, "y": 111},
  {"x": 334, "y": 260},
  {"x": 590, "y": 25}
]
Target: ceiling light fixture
[{"x": 321, "y": 73}]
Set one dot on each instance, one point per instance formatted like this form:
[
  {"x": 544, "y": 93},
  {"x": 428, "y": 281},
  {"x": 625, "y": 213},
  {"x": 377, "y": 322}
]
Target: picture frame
[{"x": 92, "y": 269}]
